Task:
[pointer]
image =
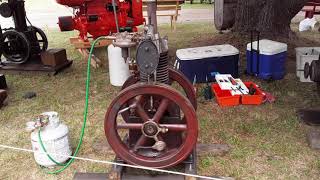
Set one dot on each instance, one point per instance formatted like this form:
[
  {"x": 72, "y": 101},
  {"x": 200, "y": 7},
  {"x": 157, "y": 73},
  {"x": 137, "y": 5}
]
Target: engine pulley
[{"x": 5, "y": 10}]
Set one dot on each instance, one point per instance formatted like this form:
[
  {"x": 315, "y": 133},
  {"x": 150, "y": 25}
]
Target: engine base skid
[{"x": 35, "y": 64}]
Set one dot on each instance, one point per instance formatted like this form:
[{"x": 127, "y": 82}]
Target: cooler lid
[
  {"x": 206, "y": 52},
  {"x": 268, "y": 47}
]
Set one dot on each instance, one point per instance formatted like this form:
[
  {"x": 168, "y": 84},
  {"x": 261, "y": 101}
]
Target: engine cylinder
[{"x": 162, "y": 70}]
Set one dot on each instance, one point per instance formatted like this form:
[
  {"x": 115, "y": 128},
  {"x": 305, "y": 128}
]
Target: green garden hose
[
  {"x": 66, "y": 165},
  {"x": 45, "y": 150}
]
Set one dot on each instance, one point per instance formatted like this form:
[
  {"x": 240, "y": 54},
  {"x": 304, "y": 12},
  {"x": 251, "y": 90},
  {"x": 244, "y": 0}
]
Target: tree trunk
[{"x": 271, "y": 17}]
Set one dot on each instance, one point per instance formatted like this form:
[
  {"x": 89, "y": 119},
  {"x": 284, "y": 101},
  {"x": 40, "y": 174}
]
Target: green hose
[
  {"x": 66, "y": 165},
  {"x": 45, "y": 150}
]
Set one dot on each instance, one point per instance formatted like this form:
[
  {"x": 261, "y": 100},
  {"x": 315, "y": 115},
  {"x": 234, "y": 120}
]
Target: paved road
[
  {"x": 47, "y": 16},
  {"x": 45, "y": 13}
]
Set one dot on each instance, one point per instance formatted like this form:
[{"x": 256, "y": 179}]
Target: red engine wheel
[
  {"x": 174, "y": 76},
  {"x": 151, "y": 147}
]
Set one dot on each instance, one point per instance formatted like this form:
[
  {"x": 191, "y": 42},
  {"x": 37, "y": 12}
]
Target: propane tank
[
  {"x": 54, "y": 136},
  {"x": 118, "y": 67}
]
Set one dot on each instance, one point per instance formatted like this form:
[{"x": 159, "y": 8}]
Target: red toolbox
[
  {"x": 255, "y": 99},
  {"x": 224, "y": 97}
]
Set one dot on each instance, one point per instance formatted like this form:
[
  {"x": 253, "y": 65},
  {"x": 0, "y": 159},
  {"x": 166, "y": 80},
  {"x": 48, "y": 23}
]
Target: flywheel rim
[
  {"x": 174, "y": 75},
  {"x": 170, "y": 158},
  {"x": 10, "y": 44}
]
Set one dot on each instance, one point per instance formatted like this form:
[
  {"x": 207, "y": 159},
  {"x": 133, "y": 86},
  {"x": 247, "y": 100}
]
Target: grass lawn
[{"x": 267, "y": 141}]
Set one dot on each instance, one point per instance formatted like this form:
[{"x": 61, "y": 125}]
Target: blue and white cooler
[
  {"x": 267, "y": 60},
  {"x": 200, "y": 64}
]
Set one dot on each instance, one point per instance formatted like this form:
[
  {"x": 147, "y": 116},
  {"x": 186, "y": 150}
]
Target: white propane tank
[
  {"x": 118, "y": 68},
  {"x": 55, "y": 139}
]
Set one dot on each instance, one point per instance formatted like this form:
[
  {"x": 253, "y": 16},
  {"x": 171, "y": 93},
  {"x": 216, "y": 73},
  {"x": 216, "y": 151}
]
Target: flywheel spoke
[
  {"x": 161, "y": 109},
  {"x": 136, "y": 126},
  {"x": 131, "y": 104},
  {"x": 137, "y": 100},
  {"x": 142, "y": 113},
  {"x": 141, "y": 141},
  {"x": 175, "y": 127}
]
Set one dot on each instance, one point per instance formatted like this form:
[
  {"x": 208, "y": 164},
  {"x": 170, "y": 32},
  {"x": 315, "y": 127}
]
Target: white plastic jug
[{"x": 118, "y": 68}]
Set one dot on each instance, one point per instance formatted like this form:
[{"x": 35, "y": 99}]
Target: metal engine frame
[{"x": 150, "y": 123}]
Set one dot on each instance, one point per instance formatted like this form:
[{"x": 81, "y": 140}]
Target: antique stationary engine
[
  {"x": 20, "y": 43},
  {"x": 1, "y": 42},
  {"x": 101, "y": 17},
  {"x": 312, "y": 70},
  {"x": 150, "y": 123}
]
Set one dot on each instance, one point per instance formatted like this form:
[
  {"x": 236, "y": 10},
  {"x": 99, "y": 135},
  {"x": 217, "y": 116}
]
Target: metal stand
[
  {"x": 188, "y": 166},
  {"x": 35, "y": 64},
  {"x": 124, "y": 173}
]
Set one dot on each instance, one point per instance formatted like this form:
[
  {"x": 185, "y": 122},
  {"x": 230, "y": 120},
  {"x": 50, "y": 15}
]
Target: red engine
[{"x": 96, "y": 17}]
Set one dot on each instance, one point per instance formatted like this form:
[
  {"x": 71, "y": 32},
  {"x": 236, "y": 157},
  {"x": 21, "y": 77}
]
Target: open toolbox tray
[{"x": 224, "y": 97}]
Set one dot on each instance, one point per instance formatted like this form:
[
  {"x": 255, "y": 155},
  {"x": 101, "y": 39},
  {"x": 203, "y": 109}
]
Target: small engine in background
[
  {"x": 100, "y": 17},
  {"x": 24, "y": 46},
  {"x": 21, "y": 42}
]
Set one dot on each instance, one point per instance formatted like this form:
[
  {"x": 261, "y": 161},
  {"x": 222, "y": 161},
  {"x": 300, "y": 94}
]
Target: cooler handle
[
  {"x": 258, "y": 51},
  {"x": 176, "y": 65}
]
